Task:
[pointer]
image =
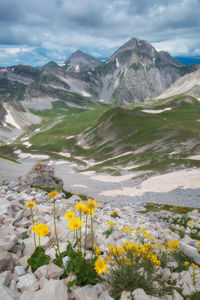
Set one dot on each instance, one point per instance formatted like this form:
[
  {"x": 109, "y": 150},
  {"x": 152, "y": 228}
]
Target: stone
[
  {"x": 89, "y": 240},
  {"x": 188, "y": 289},
  {"x": 52, "y": 290},
  {"x": 50, "y": 271},
  {"x": 8, "y": 242},
  {"x": 166, "y": 274},
  {"x": 5, "y": 293},
  {"x": 19, "y": 215},
  {"x": 23, "y": 261},
  {"x": 4, "y": 206},
  {"x": 27, "y": 282},
  {"x": 191, "y": 252},
  {"x": 19, "y": 270},
  {"x": 5, "y": 278},
  {"x": 29, "y": 245},
  {"x": 172, "y": 264},
  {"x": 139, "y": 294},
  {"x": 90, "y": 292},
  {"x": 5, "y": 260},
  {"x": 176, "y": 296},
  {"x": 125, "y": 295}
]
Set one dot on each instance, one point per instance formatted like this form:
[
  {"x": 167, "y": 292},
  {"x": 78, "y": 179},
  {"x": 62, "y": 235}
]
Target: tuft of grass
[{"x": 157, "y": 207}]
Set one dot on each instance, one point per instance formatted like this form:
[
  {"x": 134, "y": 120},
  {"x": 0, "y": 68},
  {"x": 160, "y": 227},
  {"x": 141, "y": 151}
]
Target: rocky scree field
[{"x": 133, "y": 251}]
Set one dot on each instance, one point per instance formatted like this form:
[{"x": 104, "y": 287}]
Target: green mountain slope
[{"x": 156, "y": 141}]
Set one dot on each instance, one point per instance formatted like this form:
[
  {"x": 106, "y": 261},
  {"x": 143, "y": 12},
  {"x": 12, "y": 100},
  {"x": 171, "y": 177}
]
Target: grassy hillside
[
  {"x": 157, "y": 141},
  {"x": 137, "y": 137}
]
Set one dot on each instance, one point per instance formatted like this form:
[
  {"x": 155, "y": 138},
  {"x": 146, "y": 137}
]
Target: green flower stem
[
  {"x": 54, "y": 217},
  {"x": 52, "y": 244},
  {"x": 73, "y": 236},
  {"x": 39, "y": 242},
  {"x": 80, "y": 233},
  {"x": 85, "y": 234},
  {"x": 33, "y": 225},
  {"x": 92, "y": 233}
]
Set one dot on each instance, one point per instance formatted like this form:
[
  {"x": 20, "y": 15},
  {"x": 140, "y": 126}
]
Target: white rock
[
  {"x": 139, "y": 294},
  {"x": 90, "y": 292},
  {"x": 166, "y": 274},
  {"x": 191, "y": 252},
  {"x": 30, "y": 246},
  {"x": 5, "y": 278},
  {"x": 19, "y": 270},
  {"x": 52, "y": 290},
  {"x": 176, "y": 295},
  {"x": 188, "y": 289},
  {"x": 125, "y": 295},
  {"x": 5, "y": 260},
  {"x": 50, "y": 271},
  {"x": 4, "y": 206},
  {"x": 5, "y": 293},
  {"x": 27, "y": 282}
]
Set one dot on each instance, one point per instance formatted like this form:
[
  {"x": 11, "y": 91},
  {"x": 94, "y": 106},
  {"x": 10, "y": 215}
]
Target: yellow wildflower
[
  {"x": 30, "y": 204},
  {"x": 80, "y": 206},
  {"x": 111, "y": 224},
  {"x": 86, "y": 209},
  {"x": 75, "y": 223},
  {"x": 41, "y": 229},
  {"x": 92, "y": 203},
  {"x": 53, "y": 194},
  {"x": 194, "y": 266},
  {"x": 186, "y": 263},
  {"x": 198, "y": 244},
  {"x": 143, "y": 228},
  {"x": 100, "y": 266},
  {"x": 146, "y": 234},
  {"x": 115, "y": 213},
  {"x": 69, "y": 215}
]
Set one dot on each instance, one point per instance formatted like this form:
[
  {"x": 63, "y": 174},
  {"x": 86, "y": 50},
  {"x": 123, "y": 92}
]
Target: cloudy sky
[{"x": 36, "y": 31}]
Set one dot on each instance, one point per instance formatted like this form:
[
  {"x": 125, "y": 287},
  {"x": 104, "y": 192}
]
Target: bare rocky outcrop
[{"x": 42, "y": 175}]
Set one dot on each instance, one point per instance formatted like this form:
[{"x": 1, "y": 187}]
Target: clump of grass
[{"x": 157, "y": 207}]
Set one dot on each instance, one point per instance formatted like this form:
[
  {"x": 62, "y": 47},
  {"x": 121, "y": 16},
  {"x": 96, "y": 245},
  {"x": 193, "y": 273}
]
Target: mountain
[
  {"x": 188, "y": 84},
  {"x": 78, "y": 62},
  {"x": 136, "y": 72},
  {"x": 81, "y": 62}
]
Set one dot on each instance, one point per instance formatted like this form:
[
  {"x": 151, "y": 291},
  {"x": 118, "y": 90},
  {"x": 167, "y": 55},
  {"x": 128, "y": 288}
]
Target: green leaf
[{"x": 38, "y": 259}]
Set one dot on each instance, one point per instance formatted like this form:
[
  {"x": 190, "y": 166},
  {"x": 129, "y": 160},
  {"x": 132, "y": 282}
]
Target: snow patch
[
  {"x": 196, "y": 157},
  {"x": 80, "y": 185},
  {"x": 110, "y": 178},
  {"x": 77, "y": 68},
  {"x": 85, "y": 94},
  {"x": 158, "y": 111},
  {"x": 117, "y": 63},
  {"x": 27, "y": 144},
  {"x": 37, "y": 130},
  {"x": 25, "y": 138},
  {"x": 66, "y": 154},
  {"x": 186, "y": 179},
  {"x": 9, "y": 119},
  {"x": 70, "y": 137},
  {"x": 27, "y": 155}
]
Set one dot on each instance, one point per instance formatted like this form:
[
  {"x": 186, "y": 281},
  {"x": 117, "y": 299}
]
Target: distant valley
[{"x": 139, "y": 111}]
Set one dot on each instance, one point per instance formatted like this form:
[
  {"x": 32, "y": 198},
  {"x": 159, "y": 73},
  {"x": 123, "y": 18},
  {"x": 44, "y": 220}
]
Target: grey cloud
[{"x": 97, "y": 26}]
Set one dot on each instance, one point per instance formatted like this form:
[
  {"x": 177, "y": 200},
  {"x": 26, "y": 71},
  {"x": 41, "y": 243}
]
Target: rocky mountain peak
[
  {"x": 135, "y": 51},
  {"x": 81, "y": 62}
]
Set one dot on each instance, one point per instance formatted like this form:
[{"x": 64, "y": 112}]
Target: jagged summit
[{"x": 79, "y": 61}]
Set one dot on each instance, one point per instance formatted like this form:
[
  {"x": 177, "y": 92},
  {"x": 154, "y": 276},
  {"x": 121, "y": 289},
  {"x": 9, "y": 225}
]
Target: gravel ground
[{"x": 80, "y": 183}]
